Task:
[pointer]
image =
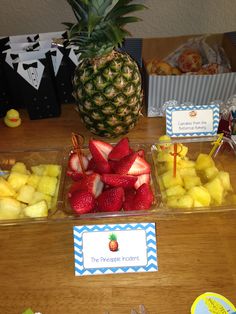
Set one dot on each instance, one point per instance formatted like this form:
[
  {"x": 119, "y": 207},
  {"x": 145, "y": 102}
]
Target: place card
[
  {"x": 192, "y": 120},
  {"x": 115, "y": 248}
]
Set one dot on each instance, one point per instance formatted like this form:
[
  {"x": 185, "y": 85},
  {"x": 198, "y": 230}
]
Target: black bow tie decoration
[
  {"x": 14, "y": 56},
  {"x": 33, "y": 47},
  {"x": 53, "y": 53},
  {"x": 31, "y": 65},
  {"x": 35, "y": 38}
]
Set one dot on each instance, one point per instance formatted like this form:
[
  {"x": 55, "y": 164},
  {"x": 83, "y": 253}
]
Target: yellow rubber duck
[{"x": 12, "y": 118}]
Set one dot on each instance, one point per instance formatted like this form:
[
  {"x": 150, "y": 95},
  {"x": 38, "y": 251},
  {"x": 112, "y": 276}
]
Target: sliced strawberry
[
  {"x": 124, "y": 181},
  {"x": 82, "y": 202},
  {"x": 91, "y": 183},
  {"x": 100, "y": 166},
  {"x": 142, "y": 178},
  {"x": 120, "y": 150},
  {"x": 110, "y": 200},
  {"x": 124, "y": 164},
  {"x": 139, "y": 166},
  {"x": 74, "y": 175},
  {"x": 128, "y": 203},
  {"x": 144, "y": 197},
  {"x": 74, "y": 162},
  {"x": 100, "y": 150}
]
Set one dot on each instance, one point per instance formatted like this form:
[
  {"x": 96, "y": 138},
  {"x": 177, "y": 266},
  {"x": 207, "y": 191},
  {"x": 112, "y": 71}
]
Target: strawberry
[
  {"x": 99, "y": 166},
  {"x": 139, "y": 166},
  {"x": 74, "y": 162},
  {"x": 91, "y": 183},
  {"x": 100, "y": 150},
  {"x": 142, "y": 178},
  {"x": 144, "y": 197},
  {"x": 120, "y": 150},
  {"x": 74, "y": 175},
  {"x": 123, "y": 165},
  {"x": 119, "y": 180},
  {"x": 110, "y": 200},
  {"x": 129, "y": 199},
  {"x": 82, "y": 202}
]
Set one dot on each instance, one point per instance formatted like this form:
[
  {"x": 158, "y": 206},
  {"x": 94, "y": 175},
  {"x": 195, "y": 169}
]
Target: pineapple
[
  {"x": 36, "y": 210},
  {"x": 5, "y": 188},
  {"x": 107, "y": 82}
]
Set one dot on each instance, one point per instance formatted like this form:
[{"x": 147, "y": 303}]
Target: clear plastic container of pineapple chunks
[
  {"x": 30, "y": 185},
  {"x": 193, "y": 177}
]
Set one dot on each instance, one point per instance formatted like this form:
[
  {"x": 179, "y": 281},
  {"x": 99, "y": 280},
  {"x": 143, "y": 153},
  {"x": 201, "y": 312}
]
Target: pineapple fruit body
[{"x": 108, "y": 93}]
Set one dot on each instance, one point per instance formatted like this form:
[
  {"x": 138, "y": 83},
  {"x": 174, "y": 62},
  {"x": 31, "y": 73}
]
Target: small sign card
[
  {"x": 192, "y": 120},
  {"x": 115, "y": 248}
]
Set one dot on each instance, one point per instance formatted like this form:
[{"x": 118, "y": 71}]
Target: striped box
[{"x": 194, "y": 89}]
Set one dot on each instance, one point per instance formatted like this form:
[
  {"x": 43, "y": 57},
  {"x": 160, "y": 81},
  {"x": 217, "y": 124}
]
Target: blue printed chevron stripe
[
  {"x": 149, "y": 228},
  {"x": 194, "y": 89},
  {"x": 170, "y": 110}
]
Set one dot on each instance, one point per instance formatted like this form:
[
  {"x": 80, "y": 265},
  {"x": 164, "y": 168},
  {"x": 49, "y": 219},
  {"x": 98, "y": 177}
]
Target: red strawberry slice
[
  {"x": 74, "y": 162},
  {"x": 110, "y": 200},
  {"x": 99, "y": 167},
  {"x": 120, "y": 150},
  {"x": 100, "y": 150},
  {"x": 142, "y": 178},
  {"x": 82, "y": 202},
  {"x": 74, "y": 175},
  {"x": 140, "y": 166},
  {"x": 144, "y": 197},
  {"x": 91, "y": 183},
  {"x": 124, "y": 164},
  {"x": 124, "y": 181}
]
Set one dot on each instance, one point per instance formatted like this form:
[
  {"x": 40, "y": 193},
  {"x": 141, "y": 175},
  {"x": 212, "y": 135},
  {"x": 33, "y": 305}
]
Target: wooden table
[{"x": 196, "y": 253}]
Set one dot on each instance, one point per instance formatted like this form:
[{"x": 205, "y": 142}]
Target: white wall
[{"x": 163, "y": 18}]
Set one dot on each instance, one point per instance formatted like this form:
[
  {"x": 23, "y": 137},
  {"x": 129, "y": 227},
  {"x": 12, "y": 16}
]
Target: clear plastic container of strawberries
[{"x": 106, "y": 179}]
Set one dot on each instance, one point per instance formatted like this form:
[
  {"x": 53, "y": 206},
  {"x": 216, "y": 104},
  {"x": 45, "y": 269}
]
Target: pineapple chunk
[
  {"x": 204, "y": 161},
  {"x": 166, "y": 156},
  {"x": 185, "y": 163},
  {"x": 9, "y": 208},
  {"x": 19, "y": 167},
  {"x": 5, "y": 188},
  {"x": 185, "y": 201},
  {"x": 47, "y": 185},
  {"x": 39, "y": 170},
  {"x": 25, "y": 193},
  {"x": 187, "y": 172},
  {"x": 53, "y": 170},
  {"x": 225, "y": 180},
  {"x": 36, "y": 210},
  {"x": 175, "y": 190},
  {"x": 210, "y": 173},
  {"x": 169, "y": 180},
  {"x": 38, "y": 196},
  {"x": 17, "y": 180},
  {"x": 200, "y": 195},
  {"x": 33, "y": 180},
  {"x": 191, "y": 181},
  {"x": 216, "y": 190}
]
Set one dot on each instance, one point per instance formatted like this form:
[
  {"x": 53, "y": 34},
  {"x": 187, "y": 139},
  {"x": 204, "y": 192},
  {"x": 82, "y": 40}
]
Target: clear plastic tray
[
  {"x": 34, "y": 158},
  {"x": 66, "y": 209},
  {"x": 224, "y": 158}
]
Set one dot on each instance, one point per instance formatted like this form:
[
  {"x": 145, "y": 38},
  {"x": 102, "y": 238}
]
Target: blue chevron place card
[
  {"x": 192, "y": 120},
  {"x": 115, "y": 248}
]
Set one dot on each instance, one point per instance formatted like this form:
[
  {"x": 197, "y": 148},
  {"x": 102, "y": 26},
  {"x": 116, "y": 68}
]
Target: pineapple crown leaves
[
  {"x": 112, "y": 237},
  {"x": 100, "y": 25}
]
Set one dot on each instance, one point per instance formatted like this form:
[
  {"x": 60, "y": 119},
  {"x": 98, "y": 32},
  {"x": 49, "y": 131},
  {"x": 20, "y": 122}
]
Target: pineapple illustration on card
[{"x": 113, "y": 243}]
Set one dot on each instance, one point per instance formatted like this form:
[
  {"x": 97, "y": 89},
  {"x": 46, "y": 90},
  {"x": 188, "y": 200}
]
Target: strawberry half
[
  {"x": 139, "y": 166},
  {"x": 100, "y": 150},
  {"x": 99, "y": 167},
  {"x": 82, "y": 202},
  {"x": 124, "y": 164},
  {"x": 74, "y": 162},
  {"x": 129, "y": 199},
  {"x": 144, "y": 197},
  {"x": 91, "y": 183},
  {"x": 110, "y": 200},
  {"x": 142, "y": 178},
  {"x": 124, "y": 181},
  {"x": 120, "y": 150}
]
